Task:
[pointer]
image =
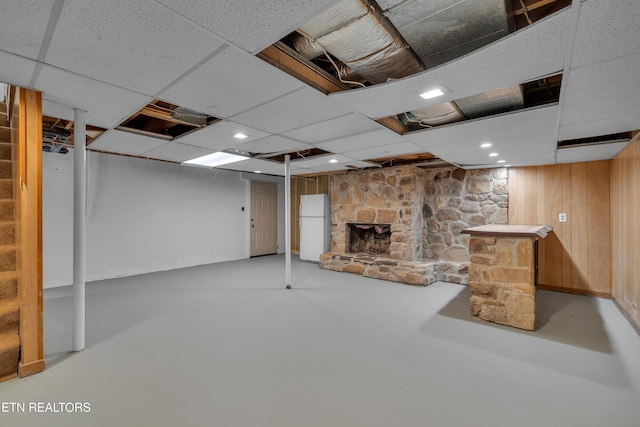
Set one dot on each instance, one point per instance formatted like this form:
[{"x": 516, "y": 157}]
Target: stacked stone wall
[{"x": 455, "y": 199}]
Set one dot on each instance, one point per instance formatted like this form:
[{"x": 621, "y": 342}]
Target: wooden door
[{"x": 263, "y": 234}]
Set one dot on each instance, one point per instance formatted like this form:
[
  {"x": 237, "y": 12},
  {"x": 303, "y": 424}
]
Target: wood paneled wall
[
  {"x": 576, "y": 256},
  {"x": 303, "y": 185},
  {"x": 625, "y": 216}
]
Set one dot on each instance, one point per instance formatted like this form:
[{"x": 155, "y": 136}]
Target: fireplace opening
[{"x": 371, "y": 239}]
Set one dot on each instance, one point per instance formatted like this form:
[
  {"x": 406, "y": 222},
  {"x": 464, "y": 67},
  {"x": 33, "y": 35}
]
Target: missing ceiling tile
[{"x": 166, "y": 121}]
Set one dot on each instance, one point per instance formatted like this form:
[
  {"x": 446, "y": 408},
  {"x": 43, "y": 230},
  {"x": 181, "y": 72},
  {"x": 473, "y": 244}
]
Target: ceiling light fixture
[
  {"x": 333, "y": 161},
  {"x": 501, "y": 161},
  {"x": 257, "y": 171},
  {"x": 240, "y": 135},
  {"x": 433, "y": 93},
  {"x": 493, "y": 155},
  {"x": 215, "y": 159},
  {"x": 486, "y": 145}
]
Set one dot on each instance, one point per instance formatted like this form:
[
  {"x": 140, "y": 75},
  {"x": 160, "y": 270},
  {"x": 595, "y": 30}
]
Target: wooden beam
[
  {"x": 29, "y": 236},
  {"x": 532, "y": 6},
  {"x": 278, "y": 57}
]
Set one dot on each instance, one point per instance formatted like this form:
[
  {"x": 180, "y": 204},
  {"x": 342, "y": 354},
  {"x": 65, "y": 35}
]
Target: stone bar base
[
  {"x": 502, "y": 280},
  {"x": 417, "y": 273}
]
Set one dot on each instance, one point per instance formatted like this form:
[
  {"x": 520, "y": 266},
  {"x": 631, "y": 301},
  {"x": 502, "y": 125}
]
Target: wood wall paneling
[
  {"x": 625, "y": 230},
  {"x": 576, "y": 256}
]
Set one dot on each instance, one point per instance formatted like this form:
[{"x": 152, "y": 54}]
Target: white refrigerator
[{"x": 315, "y": 226}]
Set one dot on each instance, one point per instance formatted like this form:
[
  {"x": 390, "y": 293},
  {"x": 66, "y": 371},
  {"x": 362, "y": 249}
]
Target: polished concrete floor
[{"x": 226, "y": 345}]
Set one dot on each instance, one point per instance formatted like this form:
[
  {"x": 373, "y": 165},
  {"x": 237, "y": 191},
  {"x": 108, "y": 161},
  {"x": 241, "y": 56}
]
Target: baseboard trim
[
  {"x": 626, "y": 314},
  {"x": 8, "y": 377},
  {"x": 24, "y": 370},
  {"x": 584, "y": 292}
]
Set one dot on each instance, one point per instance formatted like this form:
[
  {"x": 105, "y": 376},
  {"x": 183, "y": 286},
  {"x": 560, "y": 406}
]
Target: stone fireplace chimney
[{"x": 390, "y": 197}]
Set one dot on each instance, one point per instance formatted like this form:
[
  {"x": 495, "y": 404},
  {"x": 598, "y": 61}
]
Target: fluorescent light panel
[
  {"x": 215, "y": 159},
  {"x": 433, "y": 93}
]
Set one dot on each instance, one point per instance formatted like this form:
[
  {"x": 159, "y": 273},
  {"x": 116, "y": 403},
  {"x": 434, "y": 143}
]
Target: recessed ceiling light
[
  {"x": 240, "y": 135},
  {"x": 486, "y": 145},
  {"x": 257, "y": 171},
  {"x": 501, "y": 161},
  {"x": 216, "y": 159},
  {"x": 433, "y": 93},
  {"x": 333, "y": 161},
  {"x": 493, "y": 154}
]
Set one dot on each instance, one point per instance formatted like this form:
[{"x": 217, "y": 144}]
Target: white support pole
[
  {"x": 287, "y": 220},
  {"x": 79, "y": 207}
]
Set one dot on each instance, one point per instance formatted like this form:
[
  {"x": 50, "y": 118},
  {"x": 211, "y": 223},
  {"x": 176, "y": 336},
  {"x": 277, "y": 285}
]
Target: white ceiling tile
[
  {"x": 24, "y": 24},
  {"x": 606, "y": 31},
  {"x": 537, "y": 159},
  {"x": 321, "y": 161},
  {"x": 596, "y": 127},
  {"x": 92, "y": 96},
  {"x": 603, "y": 108},
  {"x": 252, "y": 165},
  {"x": 300, "y": 108},
  {"x": 361, "y": 141},
  {"x": 134, "y": 44},
  {"x": 395, "y": 149},
  {"x": 338, "y": 127},
  {"x": 590, "y": 153},
  {"x": 507, "y": 153},
  {"x": 485, "y": 129},
  {"x": 501, "y": 144},
  {"x": 272, "y": 144},
  {"x": 251, "y": 25},
  {"x": 59, "y": 111},
  {"x": 604, "y": 79},
  {"x": 16, "y": 70},
  {"x": 219, "y": 136},
  {"x": 176, "y": 152},
  {"x": 231, "y": 82},
  {"x": 116, "y": 141},
  {"x": 530, "y": 53}
]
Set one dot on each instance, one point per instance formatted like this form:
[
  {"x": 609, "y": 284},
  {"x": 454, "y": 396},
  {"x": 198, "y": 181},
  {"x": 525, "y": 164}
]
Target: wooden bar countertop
[{"x": 535, "y": 231}]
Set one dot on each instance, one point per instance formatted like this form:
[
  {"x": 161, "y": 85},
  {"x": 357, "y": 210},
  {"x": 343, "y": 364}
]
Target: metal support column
[
  {"x": 287, "y": 220},
  {"x": 79, "y": 207}
]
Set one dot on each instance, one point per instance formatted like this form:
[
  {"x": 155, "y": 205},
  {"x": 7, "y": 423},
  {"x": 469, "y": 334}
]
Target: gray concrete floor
[{"x": 227, "y": 345}]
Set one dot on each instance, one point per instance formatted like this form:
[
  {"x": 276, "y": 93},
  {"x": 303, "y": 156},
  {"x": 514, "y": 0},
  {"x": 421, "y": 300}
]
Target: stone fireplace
[{"x": 417, "y": 215}]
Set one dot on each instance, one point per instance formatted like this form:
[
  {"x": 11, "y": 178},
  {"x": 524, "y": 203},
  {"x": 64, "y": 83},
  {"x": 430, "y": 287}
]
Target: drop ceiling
[{"x": 113, "y": 58}]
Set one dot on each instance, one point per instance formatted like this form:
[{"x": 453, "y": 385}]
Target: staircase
[{"x": 9, "y": 306}]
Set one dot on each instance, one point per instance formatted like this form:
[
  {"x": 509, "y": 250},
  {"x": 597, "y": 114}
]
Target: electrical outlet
[{"x": 562, "y": 217}]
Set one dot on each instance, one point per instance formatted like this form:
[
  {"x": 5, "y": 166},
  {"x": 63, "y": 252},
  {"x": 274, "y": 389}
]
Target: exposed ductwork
[
  {"x": 362, "y": 38},
  {"x": 372, "y": 42}
]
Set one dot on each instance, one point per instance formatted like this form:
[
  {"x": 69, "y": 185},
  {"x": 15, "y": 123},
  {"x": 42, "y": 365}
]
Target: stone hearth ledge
[{"x": 417, "y": 273}]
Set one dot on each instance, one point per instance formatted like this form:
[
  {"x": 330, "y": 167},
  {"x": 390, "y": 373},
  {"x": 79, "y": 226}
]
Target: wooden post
[{"x": 29, "y": 236}]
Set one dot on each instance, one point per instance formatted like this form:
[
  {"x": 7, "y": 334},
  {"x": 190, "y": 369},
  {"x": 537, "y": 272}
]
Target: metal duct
[
  {"x": 494, "y": 102},
  {"x": 358, "y": 34},
  {"x": 442, "y": 30},
  {"x": 440, "y": 114}
]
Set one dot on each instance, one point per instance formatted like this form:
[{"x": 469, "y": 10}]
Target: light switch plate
[{"x": 562, "y": 217}]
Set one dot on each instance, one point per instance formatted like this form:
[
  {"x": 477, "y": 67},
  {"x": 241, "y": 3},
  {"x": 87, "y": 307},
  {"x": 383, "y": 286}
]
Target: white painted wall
[{"x": 145, "y": 216}]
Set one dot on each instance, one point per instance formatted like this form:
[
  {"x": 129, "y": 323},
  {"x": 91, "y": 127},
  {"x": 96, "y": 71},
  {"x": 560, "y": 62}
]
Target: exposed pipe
[
  {"x": 287, "y": 220},
  {"x": 79, "y": 222},
  {"x": 525, "y": 9}
]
